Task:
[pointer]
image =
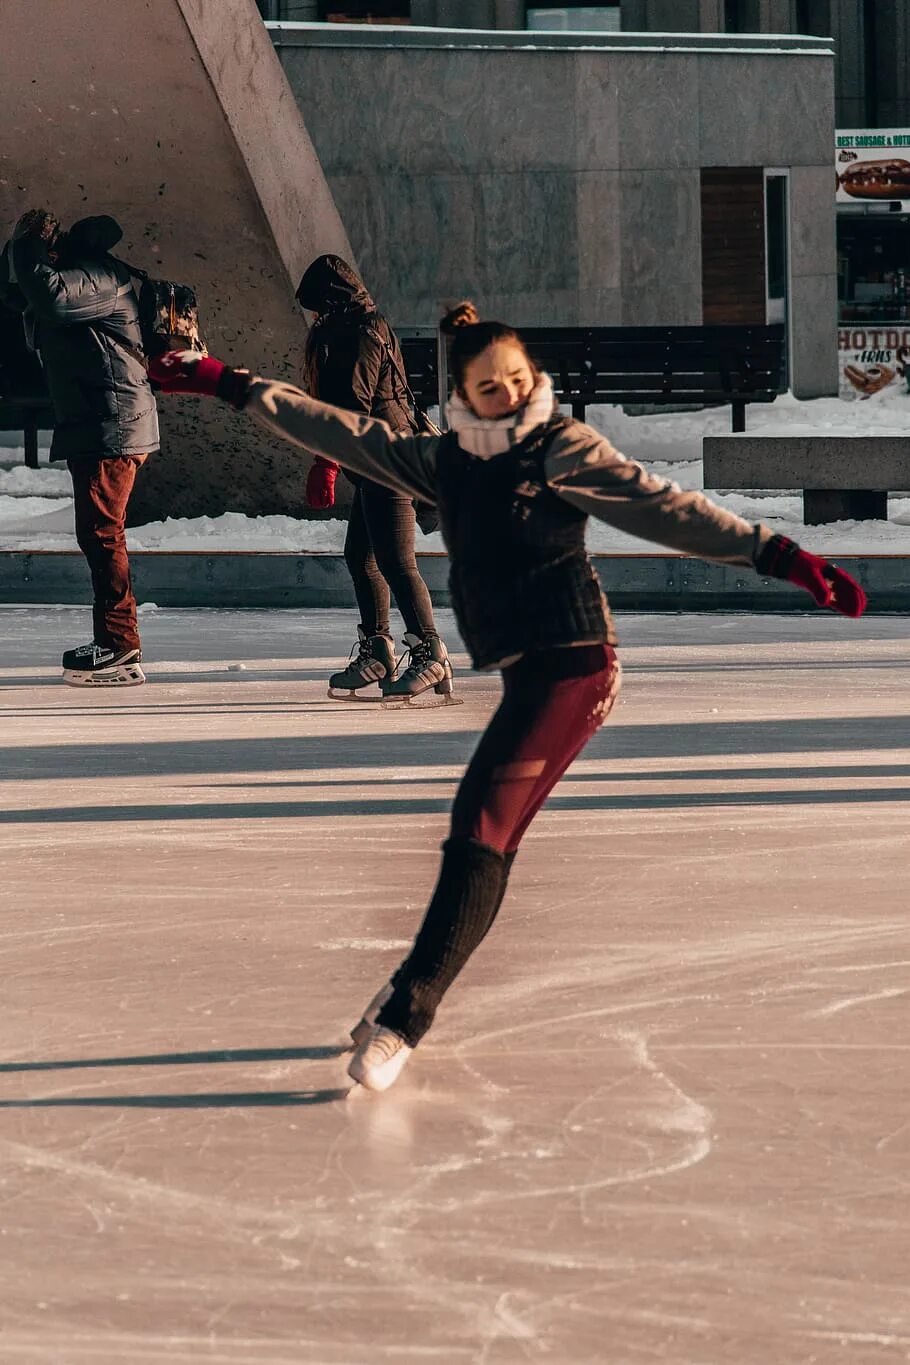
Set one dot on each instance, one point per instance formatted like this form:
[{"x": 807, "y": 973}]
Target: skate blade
[
  {"x": 420, "y": 702},
  {"x": 123, "y": 675},
  {"x": 337, "y": 695}
]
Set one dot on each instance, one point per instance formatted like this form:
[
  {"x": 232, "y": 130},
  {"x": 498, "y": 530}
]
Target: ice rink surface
[{"x": 663, "y": 1116}]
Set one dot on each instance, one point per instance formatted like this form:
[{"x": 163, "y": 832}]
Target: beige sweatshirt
[{"x": 580, "y": 466}]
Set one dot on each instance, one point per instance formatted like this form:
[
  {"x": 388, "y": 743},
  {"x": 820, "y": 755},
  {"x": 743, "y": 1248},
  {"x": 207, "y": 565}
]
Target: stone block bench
[{"x": 843, "y": 478}]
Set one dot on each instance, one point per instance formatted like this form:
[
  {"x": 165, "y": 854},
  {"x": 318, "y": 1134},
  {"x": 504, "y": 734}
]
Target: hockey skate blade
[{"x": 122, "y": 675}]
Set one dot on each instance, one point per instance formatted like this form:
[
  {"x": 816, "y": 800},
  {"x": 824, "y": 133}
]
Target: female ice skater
[
  {"x": 514, "y": 482},
  {"x": 353, "y": 360}
]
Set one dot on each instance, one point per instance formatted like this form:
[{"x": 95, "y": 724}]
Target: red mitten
[
  {"x": 320, "y": 484},
  {"x": 830, "y": 586},
  {"x": 187, "y": 372}
]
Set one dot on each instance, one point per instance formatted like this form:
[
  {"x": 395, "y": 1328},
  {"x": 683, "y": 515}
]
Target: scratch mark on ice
[{"x": 853, "y": 1000}]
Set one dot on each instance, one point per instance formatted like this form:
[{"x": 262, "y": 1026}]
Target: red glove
[
  {"x": 830, "y": 586},
  {"x": 186, "y": 372},
  {"x": 320, "y": 484}
]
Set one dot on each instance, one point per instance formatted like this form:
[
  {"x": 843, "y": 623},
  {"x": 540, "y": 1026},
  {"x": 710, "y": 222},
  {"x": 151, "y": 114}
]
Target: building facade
[
  {"x": 582, "y": 179},
  {"x": 872, "y": 37}
]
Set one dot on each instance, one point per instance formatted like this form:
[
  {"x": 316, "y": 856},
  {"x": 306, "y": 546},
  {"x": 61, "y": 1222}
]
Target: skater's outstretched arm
[
  {"x": 584, "y": 468},
  {"x": 362, "y": 444}
]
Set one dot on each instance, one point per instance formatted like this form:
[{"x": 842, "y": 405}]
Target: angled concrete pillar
[{"x": 176, "y": 117}]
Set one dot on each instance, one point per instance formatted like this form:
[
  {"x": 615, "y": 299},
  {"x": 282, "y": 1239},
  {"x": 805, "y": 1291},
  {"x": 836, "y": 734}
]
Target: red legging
[{"x": 553, "y": 702}]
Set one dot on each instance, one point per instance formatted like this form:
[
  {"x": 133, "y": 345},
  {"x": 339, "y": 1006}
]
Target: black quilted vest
[{"x": 519, "y": 576}]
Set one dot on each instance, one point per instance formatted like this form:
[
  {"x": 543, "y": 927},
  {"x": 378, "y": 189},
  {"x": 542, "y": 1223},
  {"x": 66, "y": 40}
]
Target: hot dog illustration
[
  {"x": 877, "y": 179},
  {"x": 870, "y": 380}
]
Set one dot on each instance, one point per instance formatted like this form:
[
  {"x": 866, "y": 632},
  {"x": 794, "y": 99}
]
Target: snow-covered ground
[
  {"x": 663, "y": 1116},
  {"x": 36, "y": 509}
]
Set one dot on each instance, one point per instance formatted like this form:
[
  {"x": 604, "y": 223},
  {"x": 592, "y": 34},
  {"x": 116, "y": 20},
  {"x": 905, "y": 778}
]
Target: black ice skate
[
  {"x": 427, "y": 668},
  {"x": 99, "y": 666},
  {"x": 374, "y": 662}
]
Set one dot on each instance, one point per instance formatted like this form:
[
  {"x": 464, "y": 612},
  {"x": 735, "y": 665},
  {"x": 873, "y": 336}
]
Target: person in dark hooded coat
[
  {"x": 81, "y": 316},
  {"x": 354, "y": 361}
]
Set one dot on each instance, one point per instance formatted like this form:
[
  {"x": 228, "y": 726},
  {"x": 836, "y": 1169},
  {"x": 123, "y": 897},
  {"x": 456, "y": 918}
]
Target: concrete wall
[
  {"x": 562, "y": 184},
  {"x": 175, "y": 116},
  {"x": 640, "y": 582}
]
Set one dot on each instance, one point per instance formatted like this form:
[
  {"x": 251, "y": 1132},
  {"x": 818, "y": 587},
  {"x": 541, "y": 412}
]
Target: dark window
[
  {"x": 871, "y": 62},
  {"x": 776, "y": 235},
  {"x": 365, "y": 11},
  {"x": 742, "y": 16},
  {"x": 814, "y": 16}
]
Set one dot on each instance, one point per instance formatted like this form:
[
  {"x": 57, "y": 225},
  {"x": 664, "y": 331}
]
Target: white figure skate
[{"x": 379, "y": 1061}]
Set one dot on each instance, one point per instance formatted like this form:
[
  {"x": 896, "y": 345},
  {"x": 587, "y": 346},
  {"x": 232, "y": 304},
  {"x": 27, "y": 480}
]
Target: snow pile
[{"x": 36, "y": 507}]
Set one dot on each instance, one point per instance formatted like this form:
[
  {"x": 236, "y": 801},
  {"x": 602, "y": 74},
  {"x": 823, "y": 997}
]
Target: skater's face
[{"x": 499, "y": 380}]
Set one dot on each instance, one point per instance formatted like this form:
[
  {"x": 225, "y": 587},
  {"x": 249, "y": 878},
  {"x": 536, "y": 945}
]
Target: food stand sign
[
  {"x": 873, "y": 356},
  {"x": 872, "y": 165}
]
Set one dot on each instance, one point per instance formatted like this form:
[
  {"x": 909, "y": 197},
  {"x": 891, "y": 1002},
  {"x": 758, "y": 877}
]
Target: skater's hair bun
[{"x": 470, "y": 337}]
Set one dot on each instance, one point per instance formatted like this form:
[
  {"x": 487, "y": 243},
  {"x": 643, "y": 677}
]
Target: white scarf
[{"x": 489, "y": 436}]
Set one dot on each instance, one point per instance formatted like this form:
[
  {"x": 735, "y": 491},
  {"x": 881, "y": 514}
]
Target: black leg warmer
[{"x": 471, "y": 885}]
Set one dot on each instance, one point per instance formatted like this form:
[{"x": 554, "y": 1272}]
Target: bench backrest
[{"x": 636, "y": 364}]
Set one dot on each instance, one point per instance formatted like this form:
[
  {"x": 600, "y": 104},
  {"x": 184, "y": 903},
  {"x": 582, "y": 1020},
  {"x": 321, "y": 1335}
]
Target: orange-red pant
[{"x": 101, "y": 491}]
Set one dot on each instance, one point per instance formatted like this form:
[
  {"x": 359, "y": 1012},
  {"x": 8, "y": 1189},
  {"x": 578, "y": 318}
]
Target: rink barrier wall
[{"x": 645, "y": 582}]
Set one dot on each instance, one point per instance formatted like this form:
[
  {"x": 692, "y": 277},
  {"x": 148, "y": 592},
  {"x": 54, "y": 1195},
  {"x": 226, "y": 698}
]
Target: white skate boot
[
  {"x": 379, "y": 1061},
  {"x": 367, "y": 1022},
  {"x": 99, "y": 666}
]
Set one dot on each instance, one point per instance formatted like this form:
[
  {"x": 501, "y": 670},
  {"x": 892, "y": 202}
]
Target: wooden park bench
[{"x": 631, "y": 366}]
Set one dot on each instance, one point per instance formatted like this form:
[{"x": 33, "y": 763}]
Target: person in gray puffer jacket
[{"x": 81, "y": 315}]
